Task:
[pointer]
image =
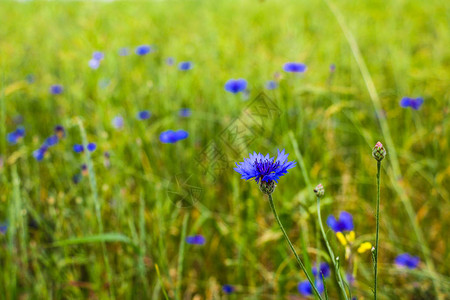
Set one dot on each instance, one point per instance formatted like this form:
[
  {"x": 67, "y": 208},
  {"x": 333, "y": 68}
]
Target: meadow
[{"x": 117, "y": 161}]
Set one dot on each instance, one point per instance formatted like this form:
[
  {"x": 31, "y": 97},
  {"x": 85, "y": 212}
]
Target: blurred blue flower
[
  {"x": 60, "y": 131},
  {"x": 228, "y": 288},
  {"x": 170, "y": 61},
  {"x": 306, "y": 289},
  {"x": 98, "y": 55},
  {"x": 332, "y": 68},
  {"x": 51, "y": 140},
  {"x": 123, "y": 51},
  {"x": 185, "y": 65},
  {"x": 324, "y": 269},
  {"x": 414, "y": 103},
  {"x": 196, "y": 239},
  {"x": 78, "y": 148},
  {"x": 271, "y": 85},
  {"x": 91, "y": 147},
  {"x": 185, "y": 112},
  {"x": 3, "y": 227},
  {"x": 350, "y": 278},
  {"x": 294, "y": 67},
  {"x": 143, "y": 115},
  {"x": 76, "y": 178},
  {"x": 118, "y": 122},
  {"x": 236, "y": 85},
  {"x": 345, "y": 222},
  {"x": 406, "y": 260},
  {"x": 16, "y": 135},
  {"x": 264, "y": 168},
  {"x": 56, "y": 89},
  {"x": 40, "y": 153},
  {"x": 94, "y": 64},
  {"x": 171, "y": 137},
  {"x": 84, "y": 170},
  {"x": 143, "y": 49}
]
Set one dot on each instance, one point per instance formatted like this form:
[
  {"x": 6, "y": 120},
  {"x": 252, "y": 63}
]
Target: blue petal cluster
[
  {"x": 185, "y": 112},
  {"x": 16, "y": 135},
  {"x": 236, "y": 85},
  {"x": 171, "y": 137},
  {"x": 56, "y": 89},
  {"x": 306, "y": 289},
  {"x": 264, "y": 168},
  {"x": 271, "y": 85},
  {"x": 228, "y": 289},
  {"x": 294, "y": 67},
  {"x": 406, "y": 260},
  {"x": 196, "y": 239},
  {"x": 143, "y": 115},
  {"x": 97, "y": 57},
  {"x": 185, "y": 65},
  {"x": 143, "y": 50},
  {"x": 414, "y": 103},
  {"x": 344, "y": 223},
  {"x": 324, "y": 269}
]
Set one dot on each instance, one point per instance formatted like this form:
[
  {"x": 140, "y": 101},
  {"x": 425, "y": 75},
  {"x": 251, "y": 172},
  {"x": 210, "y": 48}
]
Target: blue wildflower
[
  {"x": 51, "y": 140},
  {"x": 332, "y": 68},
  {"x": 271, "y": 85},
  {"x": 94, "y": 64},
  {"x": 196, "y": 239},
  {"x": 170, "y": 61},
  {"x": 305, "y": 287},
  {"x": 324, "y": 269},
  {"x": 123, "y": 51},
  {"x": 228, "y": 289},
  {"x": 171, "y": 137},
  {"x": 56, "y": 89},
  {"x": 414, "y": 103},
  {"x": 294, "y": 67},
  {"x": 16, "y": 135},
  {"x": 76, "y": 178},
  {"x": 84, "y": 170},
  {"x": 406, "y": 260},
  {"x": 264, "y": 168},
  {"x": 345, "y": 222},
  {"x": 143, "y": 115},
  {"x": 40, "y": 153},
  {"x": 236, "y": 85},
  {"x": 118, "y": 122},
  {"x": 91, "y": 147},
  {"x": 78, "y": 148},
  {"x": 350, "y": 278},
  {"x": 185, "y": 112},
  {"x": 60, "y": 131},
  {"x": 98, "y": 55},
  {"x": 185, "y": 65},
  {"x": 3, "y": 228},
  {"x": 143, "y": 49}
]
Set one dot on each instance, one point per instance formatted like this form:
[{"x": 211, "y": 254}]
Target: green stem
[
  {"x": 378, "y": 227},
  {"x": 181, "y": 257},
  {"x": 292, "y": 248},
  {"x": 330, "y": 251}
]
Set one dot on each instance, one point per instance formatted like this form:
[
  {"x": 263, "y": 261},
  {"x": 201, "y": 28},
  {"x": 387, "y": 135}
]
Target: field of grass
[{"x": 118, "y": 229}]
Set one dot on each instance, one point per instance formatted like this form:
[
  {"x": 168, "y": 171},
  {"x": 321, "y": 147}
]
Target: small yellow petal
[
  {"x": 350, "y": 236},
  {"x": 341, "y": 238},
  {"x": 364, "y": 247}
]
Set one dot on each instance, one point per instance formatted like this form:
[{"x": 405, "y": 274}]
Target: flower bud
[
  {"x": 319, "y": 190},
  {"x": 379, "y": 152},
  {"x": 267, "y": 187}
]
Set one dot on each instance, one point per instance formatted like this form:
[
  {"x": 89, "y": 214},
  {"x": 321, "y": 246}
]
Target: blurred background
[{"x": 119, "y": 141}]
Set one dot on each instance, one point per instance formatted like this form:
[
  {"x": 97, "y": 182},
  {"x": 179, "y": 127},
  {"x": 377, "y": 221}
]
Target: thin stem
[
  {"x": 292, "y": 248},
  {"x": 378, "y": 227},
  {"x": 330, "y": 251}
]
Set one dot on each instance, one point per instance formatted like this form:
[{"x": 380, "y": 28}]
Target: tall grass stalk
[{"x": 375, "y": 267}]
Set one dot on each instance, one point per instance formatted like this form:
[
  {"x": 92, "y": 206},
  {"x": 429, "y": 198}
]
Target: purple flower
[
  {"x": 51, "y": 140},
  {"x": 78, "y": 148},
  {"x": 414, "y": 103},
  {"x": 171, "y": 137},
  {"x": 228, "y": 289},
  {"x": 185, "y": 112},
  {"x": 271, "y": 85},
  {"x": 3, "y": 228},
  {"x": 306, "y": 289},
  {"x": 406, "y": 260},
  {"x": 345, "y": 222},
  {"x": 324, "y": 269},
  {"x": 185, "y": 65},
  {"x": 294, "y": 67},
  {"x": 98, "y": 55},
  {"x": 143, "y": 49},
  {"x": 40, "y": 153},
  {"x": 143, "y": 115},
  {"x": 196, "y": 239},
  {"x": 94, "y": 64},
  {"x": 60, "y": 131},
  {"x": 16, "y": 135},
  {"x": 118, "y": 122},
  {"x": 56, "y": 89},
  {"x": 236, "y": 85},
  {"x": 170, "y": 61},
  {"x": 264, "y": 168},
  {"x": 91, "y": 147}
]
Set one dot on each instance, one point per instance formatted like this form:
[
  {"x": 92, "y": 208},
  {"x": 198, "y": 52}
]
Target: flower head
[
  {"x": 170, "y": 61},
  {"x": 332, "y": 68},
  {"x": 185, "y": 112},
  {"x": 91, "y": 147},
  {"x": 16, "y": 135},
  {"x": 414, "y": 103},
  {"x": 406, "y": 260},
  {"x": 60, "y": 131},
  {"x": 3, "y": 228},
  {"x": 143, "y": 50},
  {"x": 305, "y": 287},
  {"x": 344, "y": 223},
  {"x": 171, "y": 137},
  {"x": 319, "y": 190},
  {"x": 98, "y": 55},
  {"x": 236, "y": 85},
  {"x": 228, "y": 288},
  {"x": 271, "y": 85},
  {"x": 40, "y": 153},
  {"x": 324, "y": 269},
  {"x": 196, "y": 239},
  {"x": 94, "y": 64},
  {"x": 378, "y": 151},
  {"x": 185, "y": 66},
  {"x": 78, "y": 148},
  {"x": 56, "y": 89},
  {"x": 294, "y": 67},
  {"x": 51, "y": 140},
  {"x": 118, "y": 122},
  {"x": 143, "y": 115}
]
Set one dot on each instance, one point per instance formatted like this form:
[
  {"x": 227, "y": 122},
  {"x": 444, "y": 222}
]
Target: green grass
[{"x": 110, "y": 233}]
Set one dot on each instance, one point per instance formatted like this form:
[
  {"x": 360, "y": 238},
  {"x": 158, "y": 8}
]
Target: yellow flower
[
  {"x": 350, "y": 236},
  {"x": 364, "y": 247},
  {"x": 341, "y": 238}
]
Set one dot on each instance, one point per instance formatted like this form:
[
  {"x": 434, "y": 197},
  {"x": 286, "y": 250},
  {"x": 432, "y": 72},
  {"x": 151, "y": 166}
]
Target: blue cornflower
[
  {"x": 60, "y": 131},
  {"x": 98, "y": 55},
  {"x": 345, "y": 222},
  {"x": 414, "y": 103},
  {"x": 185, "y": 112},
  {"x": 16, "y": 135},
  {"x": 94, "y": 64},
  {"x": 236, "y": 85},
  {"x": 91, "y": 147},
  {"x": 76, "y": 178},
  {"x": 56, "y": 89},
  {"x": 305, "y": 287},
  {"x": 123, "y": 51},
  {"x": 51, "y": 140},
  {"x": 185, "y": 65},
  {"x": 40, "y": 153},
  {"x": 143, "y": 49},
  {"x": 84, "y": 170},
  {"x": 228, "y": 288},
  {"x": 143, "y": 115},
  {"x": 324, "y": 269},
  {"x": 196, "y": 239},
  {"x": 264, "y": 168},
  {"x": 171, "y": 137},
  {"x": 3, "y": 228},
  {"x": 170, "y": 61},
  {"x": 406, "y": 260},
  {"x": 294, "y": 67},
  {"x": 118, "y": 122},
  {"x": 271, "y": 85},
  {"x": 350, "y": 278},
  {"x": 78, "y": 148}
]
